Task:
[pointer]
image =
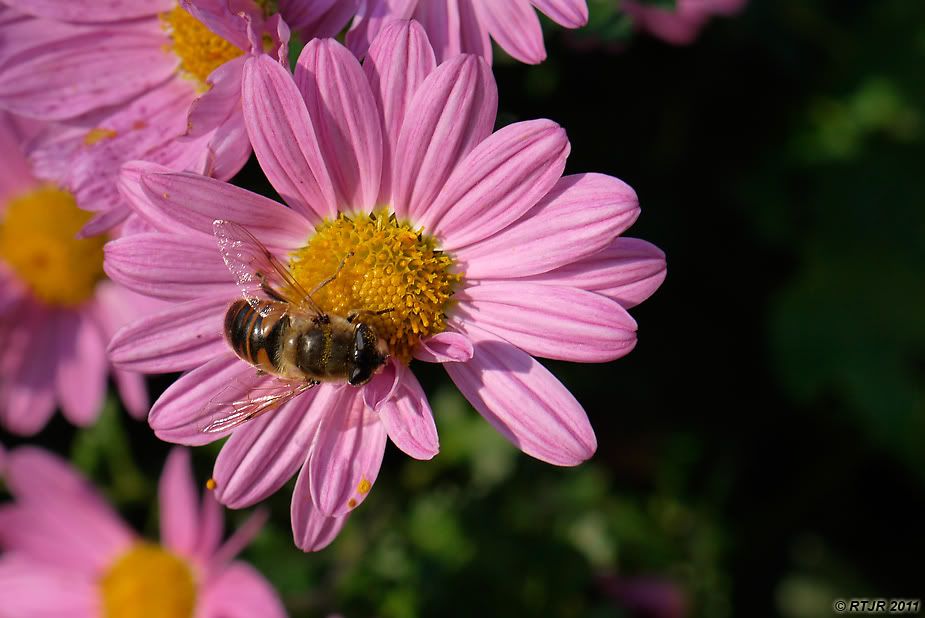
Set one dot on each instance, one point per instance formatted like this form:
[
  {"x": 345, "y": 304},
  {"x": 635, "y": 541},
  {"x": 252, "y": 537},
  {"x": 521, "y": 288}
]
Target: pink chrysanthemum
[
  {"x": 464, "y": 26},
  {"x": 681, "y": 25},
  {"x": 66, "y": 553},
  {"x": 58, "y": 310},
  {"x": 138, "y": 79},
  {"x": 482, "y": 253}
]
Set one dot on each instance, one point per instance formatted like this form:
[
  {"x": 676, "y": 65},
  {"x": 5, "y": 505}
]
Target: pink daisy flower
[
  {"x": 457, "y": 246},
  {"x": 58, "y": 311},
  {"x": 66, "y": 553},
  {"x": 78, "y": 61},
  {"x": 464, "y": 26},
  {"x": 681, "y": 25}
]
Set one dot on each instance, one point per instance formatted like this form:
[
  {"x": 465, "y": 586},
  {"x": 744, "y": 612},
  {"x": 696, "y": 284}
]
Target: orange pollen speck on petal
[
  {"x": 38, "y": 242},
  {"x": 394, "y": 275},
  {"x": 351, "y": 503},
  {"x": 364, "y": 487},
  {"x": 200, "y": 50},
  {"x": 211, "y": 484},
  {"x": 147, "y": 581},
  {"x": 94, "y": 136}
]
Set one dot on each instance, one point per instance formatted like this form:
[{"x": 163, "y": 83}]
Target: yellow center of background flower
[
  {"x": 200, "y": 50},
  {"x": 148, "y": 582},
  {"x": 37, "y": 241},
  {"x": 393, "y": 266}
]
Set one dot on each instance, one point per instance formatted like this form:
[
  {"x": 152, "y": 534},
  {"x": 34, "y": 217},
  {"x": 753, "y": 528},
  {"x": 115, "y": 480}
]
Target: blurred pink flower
[
  {"x": 136, "y": 79},
  {"x": 66, "y": 553},
  {"x": 58, "y": 310},
  {"x": 485, "y": 256},
  {"x": 464, "y": 26},
  {"x": 682, "y": 25}
]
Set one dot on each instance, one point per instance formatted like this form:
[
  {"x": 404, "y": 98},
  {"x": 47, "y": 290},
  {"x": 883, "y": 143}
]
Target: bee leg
[
  {"x": 269, "y": 291},
  {"x": 332, "y": 277},
  {"x": 353, "y": 315}
]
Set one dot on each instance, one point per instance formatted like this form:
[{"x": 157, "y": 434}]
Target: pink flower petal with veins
[
  {"x": 549, "y": 321},
  {"x": 523, "y": 401},
  {"x": 345, "y": 459},
  {"x": 451, "y": 112},
  {"x": 260, "y": 457}
]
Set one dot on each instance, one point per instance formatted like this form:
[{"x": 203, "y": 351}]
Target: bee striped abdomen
[{"x": 254, "y": 337}]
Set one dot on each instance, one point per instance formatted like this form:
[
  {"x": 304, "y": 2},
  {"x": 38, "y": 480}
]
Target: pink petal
[
  {"x": 445, "y": 347},
  {"x": 240, "y": 591},
  {"x": 499, "y": 181},
  {"x": 147, "y": 127},
  {"x": 91, "y": 10},
  {"x": 179, "y": 503},
  {"x": 441, "y": 21},
  {"x": 211, "y": 527},
  {"x": 183, "y": 411},
  {"x": 372, "y": 18},
  {"x": 473, "y": 32},
  {"x": 524, "y": 402},
  {"x": 266, "y": 452},
  {"x": 217, "y": 115},
  {"x": 181, "y": 202},
  {"x": 382, "y": 387},
  {"x": 169, "y": 266},
  {"x": 329, "y": 21},
  {"x": 312, "y": 530},
  {"x": 82, "y": 369},
  {"x": 180, "y": 337},
  {"x": 39, "y": 477},
  {"x": 15, "y": 173},
  {"x": 284, "y": 139},
  {"x": 567, "y": 13},
  {"x": 37, "y": 589},
  {"x": 398, "y": 62},
  {"x": 28, "y": 392},
  {"x": 346, "y": 121},
  {"x": 408, "y": 420},
  {"x": 84, "y": 73},
  {"x": 58, "y": 514},
  {"x": 516, "y": 28},
  {"x": 452, "y": 111},
  {"x": 221, "y": 19},
  {"x": 133, "y": 392},
  {"x": 580, "y": 216},
  {"x": 550, "y": 321},
  {"x": 629, "y": 270},
  {"x": 346, "y": 456}
]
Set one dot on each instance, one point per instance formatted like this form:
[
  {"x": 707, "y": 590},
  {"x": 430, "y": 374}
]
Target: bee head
[{"x": 369, "y": 354}]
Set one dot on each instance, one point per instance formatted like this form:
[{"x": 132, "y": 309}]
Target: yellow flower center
[
  {"x": 200, "y": 50},
  {"x": 392, "y": 266},
  {"x": 147, "y": 581},
  {"x": 37, "y": 240}
]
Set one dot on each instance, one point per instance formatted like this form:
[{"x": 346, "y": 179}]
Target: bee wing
[
  {"x": 258, "y": 400},
  {"x": 257, "y": 272}
]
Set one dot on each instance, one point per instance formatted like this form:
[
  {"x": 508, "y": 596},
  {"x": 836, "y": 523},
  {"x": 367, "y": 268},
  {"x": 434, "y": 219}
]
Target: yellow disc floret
[
  {"x": 148, "y": 581},
  {"x": 38, "y": 242},
  {"x": 200, "y": 50},
  {"x": 389, "y": 266}
]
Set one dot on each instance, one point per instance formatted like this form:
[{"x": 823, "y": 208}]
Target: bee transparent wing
[
  {"x": 222, "y": 415},
  {"x": 257, "y": 272}
]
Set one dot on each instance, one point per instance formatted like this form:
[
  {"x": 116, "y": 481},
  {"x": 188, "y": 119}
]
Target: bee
[{"x": 278, "y": 328}]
